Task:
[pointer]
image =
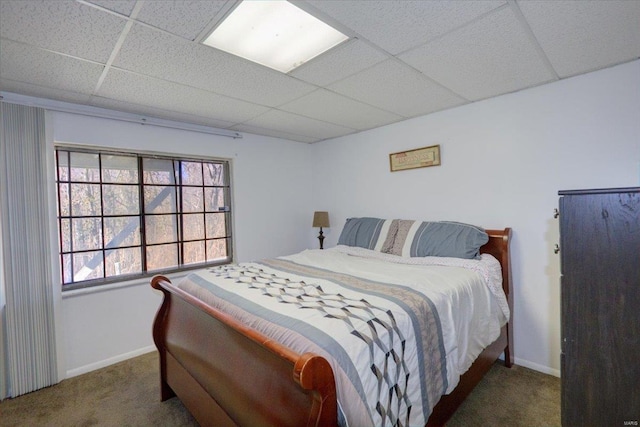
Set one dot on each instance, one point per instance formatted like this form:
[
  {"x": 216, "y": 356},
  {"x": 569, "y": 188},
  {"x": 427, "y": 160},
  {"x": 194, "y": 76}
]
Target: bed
[{"x": 228, "y": 370}]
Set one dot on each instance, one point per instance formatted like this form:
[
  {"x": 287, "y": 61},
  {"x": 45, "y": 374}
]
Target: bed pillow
[
  {"x": 444, "y": 239},
  {"x": 369, "y": 233}
]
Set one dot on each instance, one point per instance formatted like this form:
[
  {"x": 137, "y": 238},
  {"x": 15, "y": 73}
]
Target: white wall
[
  {"x": 503, "y": 162},
  {"x": 272, "y": 211}
]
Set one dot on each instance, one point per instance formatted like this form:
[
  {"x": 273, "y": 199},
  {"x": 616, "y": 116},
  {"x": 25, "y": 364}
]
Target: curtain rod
[{"x": 87, "y": 110}]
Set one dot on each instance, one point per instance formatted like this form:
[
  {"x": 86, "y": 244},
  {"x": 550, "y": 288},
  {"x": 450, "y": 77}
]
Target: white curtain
[{"x": 28, "y": 334}]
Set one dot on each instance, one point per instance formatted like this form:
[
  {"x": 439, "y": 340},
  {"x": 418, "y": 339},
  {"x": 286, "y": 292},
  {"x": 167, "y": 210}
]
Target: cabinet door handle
[
  {"x": 556, "y": 213},
  {"x": 556, "y": 249}
]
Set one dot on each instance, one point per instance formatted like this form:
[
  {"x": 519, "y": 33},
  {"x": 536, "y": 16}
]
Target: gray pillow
[
  {"x": 363, "y": 232},
  {"x": 410, "y": 238},
  {"x": 447, "y": 239}
]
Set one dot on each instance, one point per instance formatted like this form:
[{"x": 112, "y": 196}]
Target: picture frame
[{"x": 416, "y": 158}]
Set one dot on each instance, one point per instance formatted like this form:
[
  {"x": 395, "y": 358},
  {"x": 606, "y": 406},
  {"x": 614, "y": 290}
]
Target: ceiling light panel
[{"x": 276, "y": 34}]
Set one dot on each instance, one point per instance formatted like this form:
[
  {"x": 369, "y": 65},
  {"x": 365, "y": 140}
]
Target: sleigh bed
[{"x": 228, "y": 372}]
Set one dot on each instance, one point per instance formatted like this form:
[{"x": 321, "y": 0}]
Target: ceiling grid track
[
  {"x": 119, "y": 43},
  {"x": 527, "y": 28}
]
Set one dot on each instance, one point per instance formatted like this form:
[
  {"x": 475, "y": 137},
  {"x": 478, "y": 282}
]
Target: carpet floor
[{"x": 127, "y": 394}]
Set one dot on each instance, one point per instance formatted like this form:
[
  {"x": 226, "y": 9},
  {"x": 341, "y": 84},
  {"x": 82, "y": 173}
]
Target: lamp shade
[{"x": 320, "y": 219}]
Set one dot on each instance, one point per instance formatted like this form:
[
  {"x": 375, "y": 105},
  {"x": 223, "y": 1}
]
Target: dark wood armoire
[{"x": 600, "y": 310}]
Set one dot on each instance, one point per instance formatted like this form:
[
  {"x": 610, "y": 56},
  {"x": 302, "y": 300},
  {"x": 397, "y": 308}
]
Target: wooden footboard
[{"x": 228, "y": 374}]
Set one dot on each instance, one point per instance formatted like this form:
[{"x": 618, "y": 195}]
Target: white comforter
[
  {"x": 277, "y": 297},
  {"x": 467, "y": 293}
]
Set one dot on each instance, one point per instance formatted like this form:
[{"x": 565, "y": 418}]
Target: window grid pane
[
  {"x": 123, "y": 261},
  {"x": 125, "y": 214},
  {"x": 85, "y": 200},
  {"x": 215, "y": 174},
  {"x": 162, "y": 256},
  {"x": 161, "y": 229},
  {"x": 194, "y": 252},
  {"x": 122, "y": 231},
  {"x": 217, "y": 249},
  {"x": 119, "y": 169},
  {"x": 84, "y": 167},
  {"x": 193, "y": 226},
  {"x": 160, "y": 199},
  {"x": 120, "y": 199},
  {"x": 88, "y": 265}
]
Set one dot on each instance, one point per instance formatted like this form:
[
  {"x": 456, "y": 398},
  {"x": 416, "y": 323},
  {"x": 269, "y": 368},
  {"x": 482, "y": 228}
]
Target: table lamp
[{"x": 321, "y": 219}]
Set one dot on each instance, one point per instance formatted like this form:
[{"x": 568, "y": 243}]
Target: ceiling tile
[
  {"x": 339, "y": 63},
  {"x": 331, "y": 107},
  {"x": 29, "y": 89},
  {"x": 143, "y": 90},
  {"x": 298, "y": 125},
  {"x": 582, "y": 36},
  {"x": 490, "y": 57},
  {"x": 396, "y": 88},
  {"x": 183, "y": 18},
  {"x": 274, "y": 133},
  {"x": 27, "y": 64},
  {"x": 62, "y": 26},
  {"x": 404, "y": 59},
  {"x": 145, "y": 110},
  {"x": 400, "y": 25},
  {"x": 164, "y": 56},
  {"x": 124, "y": 7}
]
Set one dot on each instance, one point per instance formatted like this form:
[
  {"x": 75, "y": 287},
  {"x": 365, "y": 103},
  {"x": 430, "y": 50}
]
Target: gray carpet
[{"x": 127, "y": 394}]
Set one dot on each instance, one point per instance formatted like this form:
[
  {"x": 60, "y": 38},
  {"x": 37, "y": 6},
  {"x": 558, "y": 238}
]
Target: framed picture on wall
[{"x": 417, "y": 158}]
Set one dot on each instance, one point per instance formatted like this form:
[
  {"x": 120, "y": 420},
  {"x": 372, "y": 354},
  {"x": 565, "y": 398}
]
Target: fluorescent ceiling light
[{"x": 274, "y": 33}]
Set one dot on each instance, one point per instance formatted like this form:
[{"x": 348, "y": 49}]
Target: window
[{"x": 125, "y": 215}]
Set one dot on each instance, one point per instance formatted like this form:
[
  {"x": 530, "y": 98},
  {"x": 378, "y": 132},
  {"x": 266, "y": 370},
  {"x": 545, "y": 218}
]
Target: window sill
[{"x": 175, "y": 276}]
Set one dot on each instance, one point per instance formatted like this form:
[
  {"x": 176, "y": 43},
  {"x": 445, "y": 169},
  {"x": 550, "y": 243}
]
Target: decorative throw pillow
[{"x": 403, "y": 228}]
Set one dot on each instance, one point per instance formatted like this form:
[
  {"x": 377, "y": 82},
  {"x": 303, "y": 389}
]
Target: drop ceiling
[{"x": 403, "y": 59}]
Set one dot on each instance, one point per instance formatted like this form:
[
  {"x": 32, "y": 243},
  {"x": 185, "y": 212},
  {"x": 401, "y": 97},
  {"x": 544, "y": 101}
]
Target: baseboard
[
  {"x": 112, "y": 360},
  {"x": 107, "y": 362},
  {"x": 537, "y": 367}
]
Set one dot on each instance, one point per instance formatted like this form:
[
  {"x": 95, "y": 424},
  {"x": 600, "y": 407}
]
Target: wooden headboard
[{"x": 498, "y": 246}]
